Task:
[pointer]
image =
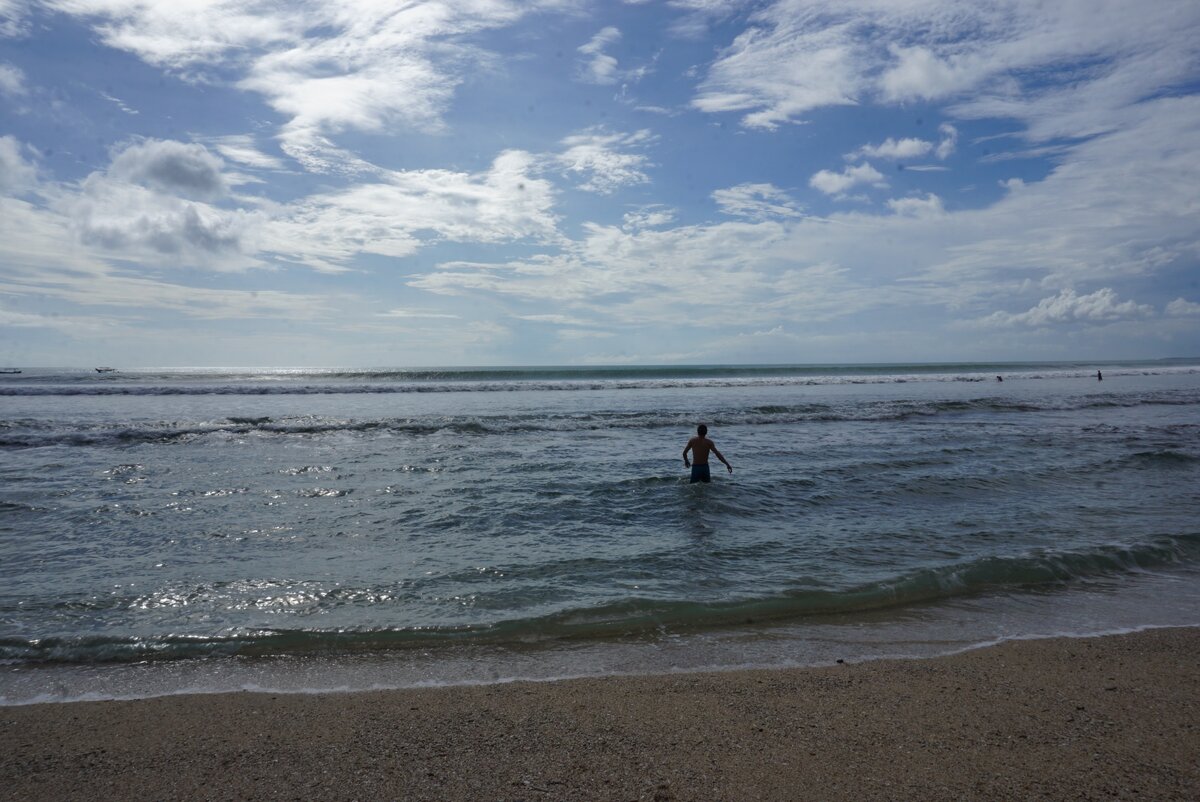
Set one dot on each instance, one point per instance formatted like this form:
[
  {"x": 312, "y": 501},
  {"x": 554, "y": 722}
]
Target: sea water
[{"x": 178, "y": 530}]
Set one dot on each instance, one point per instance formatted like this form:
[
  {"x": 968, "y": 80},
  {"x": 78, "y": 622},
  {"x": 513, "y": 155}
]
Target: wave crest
[{"x": 634, "y": 617}]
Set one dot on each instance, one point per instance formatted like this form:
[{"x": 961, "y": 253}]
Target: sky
[{"x": 575, "y": 182}]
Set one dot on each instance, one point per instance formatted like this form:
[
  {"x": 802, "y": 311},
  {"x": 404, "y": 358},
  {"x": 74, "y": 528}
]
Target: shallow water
[{"x": 216, "y": 513}]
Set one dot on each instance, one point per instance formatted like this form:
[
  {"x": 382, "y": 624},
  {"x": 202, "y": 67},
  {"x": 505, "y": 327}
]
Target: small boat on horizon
[
  {"x": 106, "y": 370},
  {"x": 10, "y": 370}
]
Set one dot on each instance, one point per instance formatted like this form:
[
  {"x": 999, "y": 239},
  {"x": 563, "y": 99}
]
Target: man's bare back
[{"x": 700, "y": 446}]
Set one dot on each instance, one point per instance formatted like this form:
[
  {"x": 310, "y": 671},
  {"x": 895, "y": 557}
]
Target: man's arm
[
  {"x": 686, "y": 449},
  {"x": 721, "y": 457}
]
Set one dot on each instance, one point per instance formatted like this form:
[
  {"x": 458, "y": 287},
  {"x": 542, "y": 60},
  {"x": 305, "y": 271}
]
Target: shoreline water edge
[
  {"x": 913, "y": 632},
  {"x": 210, "y": 530},
  {"x": 1103, "y": 717}
]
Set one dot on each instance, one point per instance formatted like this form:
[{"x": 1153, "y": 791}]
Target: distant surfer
[
  {"x": 700, "y": 445},
  {"x": 1099, "y": 376}
]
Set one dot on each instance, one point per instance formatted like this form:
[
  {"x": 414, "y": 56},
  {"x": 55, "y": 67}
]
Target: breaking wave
[
  {"x": 30, "y": 433},
  {"x": 630, "y": 617}
]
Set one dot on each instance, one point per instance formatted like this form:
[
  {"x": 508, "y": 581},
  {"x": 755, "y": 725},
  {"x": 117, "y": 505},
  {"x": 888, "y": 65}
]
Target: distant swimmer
[
  {"x": 1099, "y": 376},
  {"x": 999, "y": 378},
  {"x": 700, "y": 445}
]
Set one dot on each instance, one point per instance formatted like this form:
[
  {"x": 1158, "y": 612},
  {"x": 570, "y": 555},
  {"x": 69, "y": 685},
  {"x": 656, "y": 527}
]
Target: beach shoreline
[{"x": 1099, "y": 717}]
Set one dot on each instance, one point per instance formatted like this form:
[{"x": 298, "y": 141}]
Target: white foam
[{"x": 1141, "y": 602}]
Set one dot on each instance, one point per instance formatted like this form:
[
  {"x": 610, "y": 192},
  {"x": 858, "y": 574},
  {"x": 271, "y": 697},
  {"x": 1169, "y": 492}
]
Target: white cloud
[
  {"x": 1111, "y": 210},
  {"x": 1109, "y": 63},
  {"x": 583, "y": 334},
  {"x": 593, "y": 153},
  {"x": 920, "y": 74},
  {"x": 780, "y": 69},
  {"x": 929, "y": 206},
  {"x": 556, "y": 319},
  {"x": 241, "y": 149},
  {"x": 161, "y": 199},
  {"x": 949, "y": 141},
  {"x": 12, "y": 81},
  {"x": 908, "y": 148},
  {"x": 130, "y": 221},
  {"x": 648, "y": 217},
  {"x": 318, "y": 154},
  {"x": 394, "y": 217},
  {"x": 1093, "y": 218},
  {"x": 1181, "y": 307},
  {"x": 1092, "y": 221},
  {"x": 184, "y": 36},
  {"x": 13, "y": 21},
  {"x": 120, "y": 104},
  {"x": 714, "y": 8},
  {"x": 16, "y": 174},
  {"x": 1025, "y": 153},
  {"x": 327, "y": 67},
  {"x": 749, "y": 272},
  {"x": 81, "y": 328},
  {"x": 700, "y": 14},
  {"x": 61, "y": 251},
  {"x": 663, "y": 110},
  {"x": 756, "y": 202},
  {"x": 417, "y": 313},
  {"x": 797, "y": 55},
  {"x": 1067, "y": 307},
  {"x": 159, "y": 204},
  {"x": 599, "y": 67},
  {"x": 174, "y": 168},
  {"x": 43, "y": 257},
  {"x": 837, "y": 184},
  {"x": 166, "y": 204}
]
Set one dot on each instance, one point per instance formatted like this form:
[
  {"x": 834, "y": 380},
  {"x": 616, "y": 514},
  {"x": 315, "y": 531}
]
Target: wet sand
[{"x": 1100, "y": 718}]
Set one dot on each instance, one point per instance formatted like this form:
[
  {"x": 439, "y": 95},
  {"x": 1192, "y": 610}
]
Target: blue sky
[{"x": 203, "y": 182}]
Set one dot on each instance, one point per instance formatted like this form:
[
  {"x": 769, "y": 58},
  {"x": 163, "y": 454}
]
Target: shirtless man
[{"x": 700, "y": 445}]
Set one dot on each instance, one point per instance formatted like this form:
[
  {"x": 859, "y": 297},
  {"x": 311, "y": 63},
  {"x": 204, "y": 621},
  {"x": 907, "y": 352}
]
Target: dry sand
[{"x": 1099, "y": 718}]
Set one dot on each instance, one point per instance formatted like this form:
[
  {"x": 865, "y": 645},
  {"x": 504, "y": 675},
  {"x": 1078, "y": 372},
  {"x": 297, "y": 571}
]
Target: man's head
[{"x": 702, "y": 430}]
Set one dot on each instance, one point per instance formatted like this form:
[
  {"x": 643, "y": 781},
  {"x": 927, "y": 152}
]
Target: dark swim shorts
[{"x": 700, "y": 474}]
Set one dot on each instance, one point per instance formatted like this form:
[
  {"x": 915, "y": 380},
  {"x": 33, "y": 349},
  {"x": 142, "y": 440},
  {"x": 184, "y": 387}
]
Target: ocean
[{"x": 196, "y": 530}]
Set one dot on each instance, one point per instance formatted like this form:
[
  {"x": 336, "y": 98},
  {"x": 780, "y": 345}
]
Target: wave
[
  {"x": 1164, "y": 456},
  {"x": 334, "y": 381},
  {"x": 32, "y": 433},
  {"x": 634, "y": 617}
]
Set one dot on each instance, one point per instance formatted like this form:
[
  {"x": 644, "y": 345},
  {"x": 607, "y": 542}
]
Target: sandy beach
[{"x": 1097, "y": 718}]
